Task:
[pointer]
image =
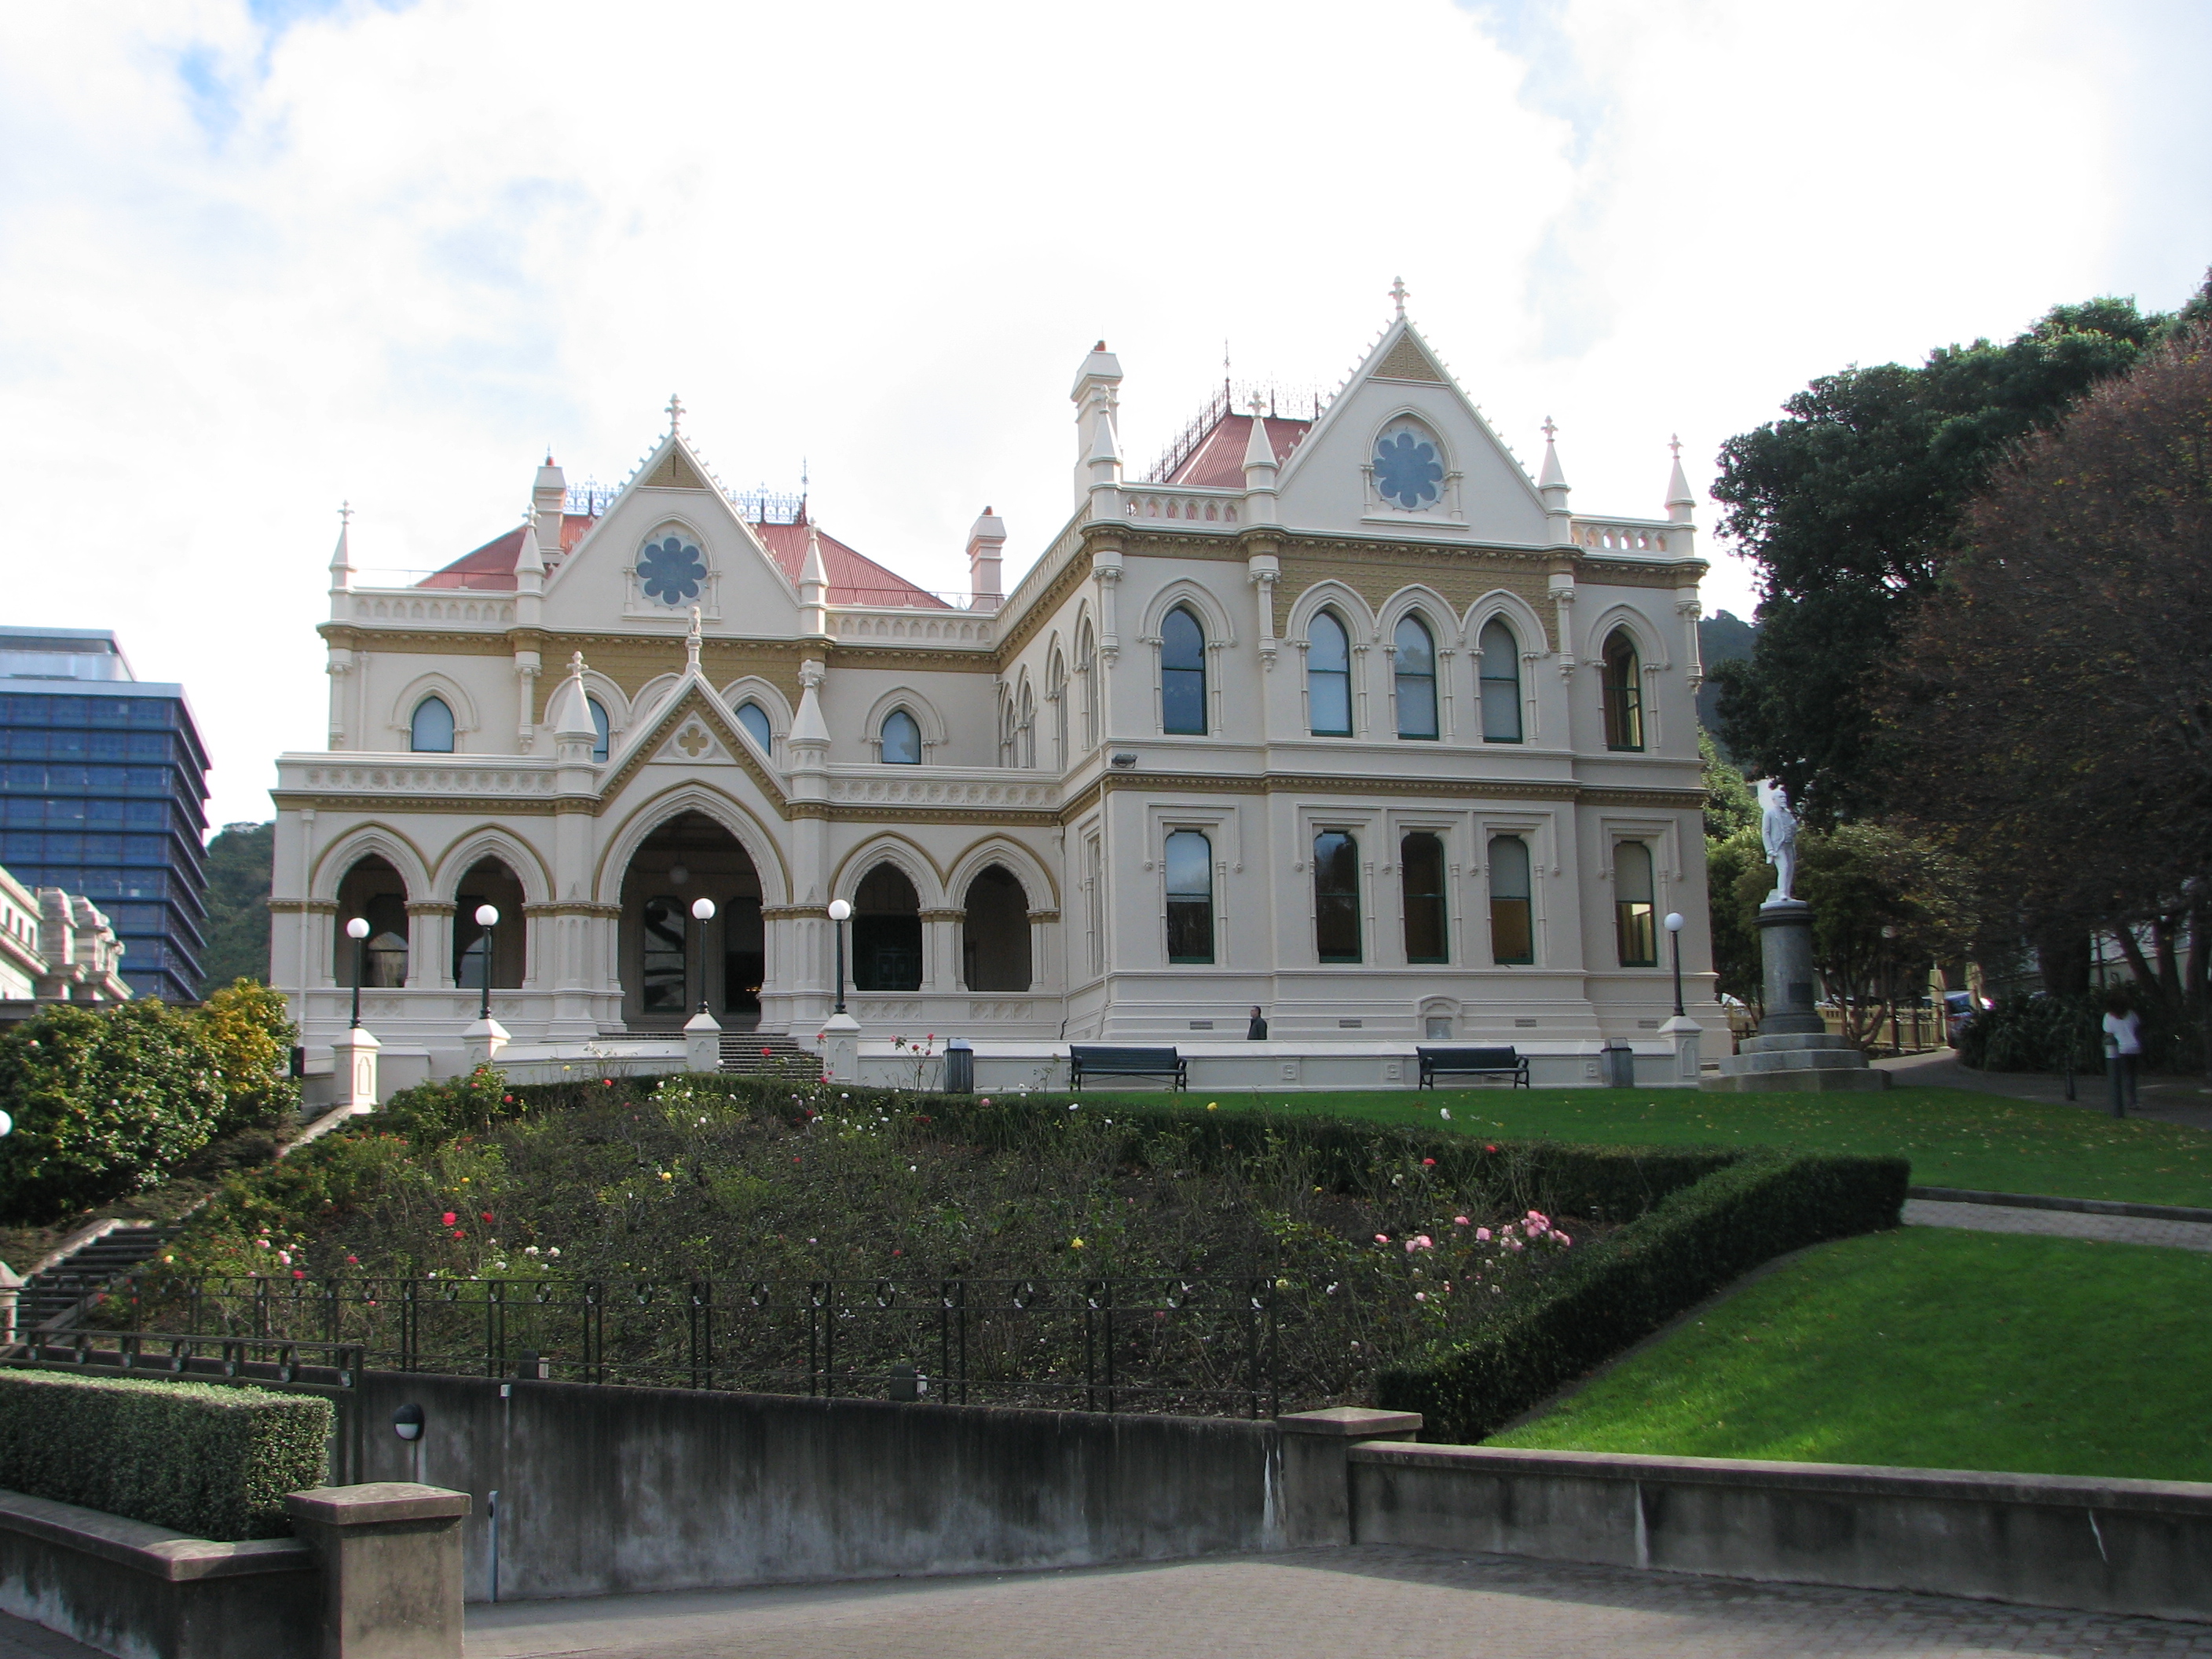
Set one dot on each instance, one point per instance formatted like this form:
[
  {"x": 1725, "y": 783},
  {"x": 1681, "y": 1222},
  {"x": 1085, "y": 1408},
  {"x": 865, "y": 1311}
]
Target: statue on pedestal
[{"x": 1778, "y": 830}]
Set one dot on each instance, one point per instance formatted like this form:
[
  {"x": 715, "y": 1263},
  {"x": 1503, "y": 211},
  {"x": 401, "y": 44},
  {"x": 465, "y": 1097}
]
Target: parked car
[{"x": 1958, "y": 1007}]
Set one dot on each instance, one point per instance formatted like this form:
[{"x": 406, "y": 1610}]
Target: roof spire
[
  {"x": 674, "y": 414},
  {"x": 1553, "y": 477},
  {"x": 342, "y": 555},
  {"x": 1681, "y": 505},
  {"x": 1398, "y": 294}
]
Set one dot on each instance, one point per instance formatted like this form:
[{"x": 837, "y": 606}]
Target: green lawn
[
  {"x": 1930, "y": 1348},
  {"x": 1955, "y": 1138}
]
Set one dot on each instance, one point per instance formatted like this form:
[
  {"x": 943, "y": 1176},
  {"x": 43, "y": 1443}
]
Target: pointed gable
[
  {"x": 675, "y": 471},
  {"x": 1337, "y": 480}
]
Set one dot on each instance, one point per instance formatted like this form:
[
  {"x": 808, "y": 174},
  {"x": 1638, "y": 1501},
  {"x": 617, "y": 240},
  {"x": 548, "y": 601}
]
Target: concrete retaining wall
[
  {"x": 604, "y": 1489},
  {"x": 127, "y": 1588},
  {"x": 2132, "y": 1547}
]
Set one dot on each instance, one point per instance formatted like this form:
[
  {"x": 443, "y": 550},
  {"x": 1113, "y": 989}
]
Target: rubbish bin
[
  {"x": 1617, "y": 1066},
  {"x": 959, "y": 1067}
]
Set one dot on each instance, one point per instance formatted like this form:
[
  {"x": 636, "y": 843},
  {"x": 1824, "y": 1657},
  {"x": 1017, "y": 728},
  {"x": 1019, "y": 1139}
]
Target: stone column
[
  {"x": 390, "y": 1554},
  {"x": 1317, "y": 1484}
]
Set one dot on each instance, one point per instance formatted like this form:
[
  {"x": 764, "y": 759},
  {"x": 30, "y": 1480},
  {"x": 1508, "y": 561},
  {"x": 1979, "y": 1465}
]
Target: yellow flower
[
  {"x": 1075, "y": 1243},
  {"x": 1212, "y": 1105}
]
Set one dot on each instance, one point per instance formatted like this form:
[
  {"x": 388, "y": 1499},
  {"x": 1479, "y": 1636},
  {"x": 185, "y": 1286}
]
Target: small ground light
[{"x": 407, "y": 1422}]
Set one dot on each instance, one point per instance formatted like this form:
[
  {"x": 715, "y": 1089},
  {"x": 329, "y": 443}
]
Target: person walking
[{"x": 2123, "y": 1032}]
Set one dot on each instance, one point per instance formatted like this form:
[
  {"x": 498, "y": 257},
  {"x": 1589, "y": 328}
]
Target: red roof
[
  {"x": 854, "y": 579},
  {"x": 492, "y": 565},
  {"x": 1218, "y": 463}
]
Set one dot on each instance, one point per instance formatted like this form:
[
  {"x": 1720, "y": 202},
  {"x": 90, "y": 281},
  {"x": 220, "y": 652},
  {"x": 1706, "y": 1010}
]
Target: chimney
[
  {"x": 1097, "y": 400},
  {"x": 986, "y": 540}
]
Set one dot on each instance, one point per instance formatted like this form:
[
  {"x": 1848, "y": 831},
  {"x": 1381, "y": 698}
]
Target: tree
[
  {"x": 1887, "y": 906},
  {"x": 105, "y": 1101},
  {"x": 1733, "y": 848},
  {"x": 239, "y": 863},
  {"x": 1852, "y": 507},
  {"x": 2059, "y": 684},
  {"x": 1725, "y": 637}
]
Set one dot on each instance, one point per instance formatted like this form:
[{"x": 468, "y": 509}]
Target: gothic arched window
[
  {"x": 1182, "y": 673},
  {"x": 599, "y": 727},
  {"x": 1624, "y": 696},
  {"x": 902, "y": 737},
  {"x": 754, "y": 719},
  {"x": 1329, "y": 677},
  {"x": 1416, "y": 670},
  {"x": 431, "y": 731},
  {"x": 1501, "y": 684}
]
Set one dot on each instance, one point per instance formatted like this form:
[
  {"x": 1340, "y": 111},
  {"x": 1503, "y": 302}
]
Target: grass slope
[
  {"x": 1954, "y": 1138},
  {"x": 1931, "y": 1348}
]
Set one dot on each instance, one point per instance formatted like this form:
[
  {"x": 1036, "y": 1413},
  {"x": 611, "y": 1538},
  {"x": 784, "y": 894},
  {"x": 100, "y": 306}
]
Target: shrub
[
  {"x": 104, "y": 1102},
  {"x": 250, "y": 1038},
  {"x": 2040, "y": 1033},
  {"x": 202, "y": 1458},
  {"x": 1627, "y": 1286}
]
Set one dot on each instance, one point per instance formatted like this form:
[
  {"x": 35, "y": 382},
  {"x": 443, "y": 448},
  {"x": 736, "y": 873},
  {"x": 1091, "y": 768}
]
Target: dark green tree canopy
[{"x": 1852, "y": 505}]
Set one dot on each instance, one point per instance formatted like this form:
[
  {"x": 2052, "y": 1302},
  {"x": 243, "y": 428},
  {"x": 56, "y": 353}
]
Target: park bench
[
  {"x": 1096, "y": 1059},
  {"x": 1472, "y": 1062}
]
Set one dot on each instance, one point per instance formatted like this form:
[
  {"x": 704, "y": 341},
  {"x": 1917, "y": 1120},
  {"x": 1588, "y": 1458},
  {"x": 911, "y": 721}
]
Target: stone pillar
[
  {"x": 483, "y": 1039},
  {"x": 11, "y": 1287},
  {"x": 1786, "y": 947},
  {"x": 390, "y": 1554},
  {"x": 841, "y": 1049},
  {"x": 353, "y": 1070},
  {"x": 702, "y": 1043},
  {"x": 1316, "y": 1483},
  {"x": 1688, "y": 1036}
]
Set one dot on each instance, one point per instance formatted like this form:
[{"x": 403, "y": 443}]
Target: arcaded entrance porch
[{"x": 670, "y": 961}]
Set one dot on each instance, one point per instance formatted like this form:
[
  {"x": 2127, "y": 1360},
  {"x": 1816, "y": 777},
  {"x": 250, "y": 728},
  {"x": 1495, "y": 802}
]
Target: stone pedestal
[
  {"x": 353, "y": 1070},
  {"x": 390, "y": 1554},
  {"x": 1688, "y": 1038},
  {"x": 841, "y": 1049},
  {"x": 1794, "y": 1048},
  {"x": 1317, "y": 1489},
  {"x": 702, "y": 1043},
  {"x": 483, "y": 1039}
]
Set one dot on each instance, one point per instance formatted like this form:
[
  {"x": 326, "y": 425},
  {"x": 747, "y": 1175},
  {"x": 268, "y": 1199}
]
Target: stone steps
[{"x": 768, "y": 1054}]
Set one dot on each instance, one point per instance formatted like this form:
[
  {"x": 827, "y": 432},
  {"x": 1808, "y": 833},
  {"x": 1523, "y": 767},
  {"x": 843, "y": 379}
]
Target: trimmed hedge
[
  {"x": 1690, "y": 1245},
  {"x": 202, "y": 1458}
]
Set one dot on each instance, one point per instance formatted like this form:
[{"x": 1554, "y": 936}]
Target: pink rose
[
  {"x": 1381, "y": 1239},
  {"x": 1482, "y": 1235},
  {"x": 1459, "y": 1221}
]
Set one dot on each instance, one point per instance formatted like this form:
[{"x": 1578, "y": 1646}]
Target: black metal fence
[{"x": 1210, "y": 1346}]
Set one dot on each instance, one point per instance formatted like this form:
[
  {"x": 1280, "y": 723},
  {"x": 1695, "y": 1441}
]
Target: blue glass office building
[{"x": 103, "y": 781}]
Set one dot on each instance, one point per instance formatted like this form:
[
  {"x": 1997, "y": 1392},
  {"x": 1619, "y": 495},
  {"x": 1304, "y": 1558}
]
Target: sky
[{"x": 261, "y": 257}]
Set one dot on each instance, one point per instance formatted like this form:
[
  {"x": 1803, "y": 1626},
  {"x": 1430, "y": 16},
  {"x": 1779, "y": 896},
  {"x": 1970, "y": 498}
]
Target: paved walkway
[
  {"x": 1316, "y": 1604},
  {"x": 2067, "y": 1224},
  {"x": 2185, "y": 1100},
  {"x": 22, "y": 1640}
]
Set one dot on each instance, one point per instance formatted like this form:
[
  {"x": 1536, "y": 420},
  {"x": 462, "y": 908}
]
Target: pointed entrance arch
[
  {"x": 671, "y": 963},
  {"x": 994, "y": 944}
]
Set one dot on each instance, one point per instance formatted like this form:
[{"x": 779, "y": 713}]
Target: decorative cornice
[
  {"x": 302, "y": 907},
  {"x": 497, "y": 806},
  {"x": 1045, "y": 606},
  {"x": 572, "y": 908}
]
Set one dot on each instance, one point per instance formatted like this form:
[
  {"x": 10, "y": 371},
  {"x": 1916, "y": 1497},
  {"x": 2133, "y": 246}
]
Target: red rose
[{"x": 448, "y": 1218}]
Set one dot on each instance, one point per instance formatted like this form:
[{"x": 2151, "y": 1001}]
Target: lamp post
[
  {"x": 487, "y": 919},
  {"x": 358, "y": 931},
  {"x": 702, "y": 911},
  {"x": 1674, "y": 934},
  {"x": 839, "y": 910}
]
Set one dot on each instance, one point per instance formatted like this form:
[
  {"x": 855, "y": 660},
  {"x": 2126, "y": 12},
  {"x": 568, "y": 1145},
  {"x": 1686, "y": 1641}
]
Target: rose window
[
  {"x": 1408, "y": 471},
  {"x": 670, "y": 571}
]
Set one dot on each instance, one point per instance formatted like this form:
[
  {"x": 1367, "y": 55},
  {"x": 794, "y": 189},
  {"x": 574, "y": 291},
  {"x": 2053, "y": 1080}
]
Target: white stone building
[
  {"x": 1340, "y": 714},
  {"x": 55, "y": 947}
]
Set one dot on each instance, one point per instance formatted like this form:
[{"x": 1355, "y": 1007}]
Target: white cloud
[{"x": 247, "y": 270}]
